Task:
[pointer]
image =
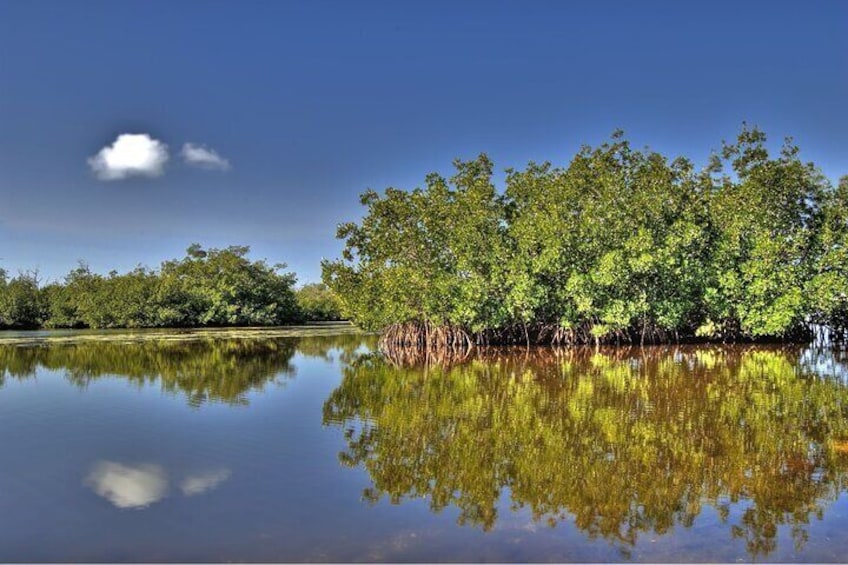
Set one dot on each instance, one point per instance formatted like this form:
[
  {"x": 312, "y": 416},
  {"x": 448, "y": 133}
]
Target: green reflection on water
[
  {"x": 203, "y": 370},
  {"x": 621, "y": 441}
]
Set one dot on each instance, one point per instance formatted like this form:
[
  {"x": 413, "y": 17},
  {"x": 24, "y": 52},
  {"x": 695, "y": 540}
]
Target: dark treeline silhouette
[
  {"x": 620, "y": 246},
  {"x": 212, "y": 287}
]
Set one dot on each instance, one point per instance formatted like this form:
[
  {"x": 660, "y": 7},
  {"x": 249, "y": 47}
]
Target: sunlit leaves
[
  {"x": 620, "y": 245},
  {"x": 209, "y": 287}
]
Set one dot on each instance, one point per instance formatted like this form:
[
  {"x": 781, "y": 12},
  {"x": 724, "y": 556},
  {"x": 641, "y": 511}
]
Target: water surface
[{"x": 316, "y": 448}]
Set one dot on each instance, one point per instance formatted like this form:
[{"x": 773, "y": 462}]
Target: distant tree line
[
  {"x": 208, "y": 287},
  {"x": 619, "y": 246},
  {"x": 317, "y": 303}
]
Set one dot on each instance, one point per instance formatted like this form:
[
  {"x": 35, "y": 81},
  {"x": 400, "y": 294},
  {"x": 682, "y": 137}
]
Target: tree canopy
[
  {"x": 621, "y": 245},
  {"x": 207, "y": 287},
  {"x": 318, "y": 303}
]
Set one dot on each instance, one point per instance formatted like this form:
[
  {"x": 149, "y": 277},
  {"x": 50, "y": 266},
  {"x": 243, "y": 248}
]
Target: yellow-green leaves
[
  {"x": 622, "y": 442},
  {"x": 618, "y": 246}
]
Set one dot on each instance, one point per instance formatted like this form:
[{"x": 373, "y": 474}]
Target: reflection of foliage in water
[
  {"x": 344, "y": 347},
  {"x": 624, "y": 441},
  {"x": 217, "y": 370}
]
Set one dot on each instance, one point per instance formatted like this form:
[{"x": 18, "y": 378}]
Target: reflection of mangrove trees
[
  {"x": 622, "y": 441},
  {"x": 204, "y": 370}
]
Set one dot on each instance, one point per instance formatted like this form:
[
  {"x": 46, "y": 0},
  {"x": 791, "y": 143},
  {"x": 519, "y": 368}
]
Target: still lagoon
[{"x": 215, "y": 447}]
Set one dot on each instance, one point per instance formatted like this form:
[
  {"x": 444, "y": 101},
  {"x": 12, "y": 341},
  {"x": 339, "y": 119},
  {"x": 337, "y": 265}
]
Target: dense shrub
[
  {"x": 620, "y": 245},
  {"x": 214, "y": 287}
]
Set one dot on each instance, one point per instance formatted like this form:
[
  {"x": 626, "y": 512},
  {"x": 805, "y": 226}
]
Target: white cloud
[
  {"x": 200, "y": 483},
  {"x": 131, "y": 154},
  {"x": 204, "y": 157},
  {"x": 126, "y": 486}
]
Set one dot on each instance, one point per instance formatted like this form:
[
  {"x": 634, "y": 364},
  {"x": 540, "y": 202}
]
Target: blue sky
[{"x": 310, "y": 103}]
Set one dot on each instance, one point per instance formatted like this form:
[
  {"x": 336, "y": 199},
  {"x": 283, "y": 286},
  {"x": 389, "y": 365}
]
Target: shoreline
[{"x": 124, "y": 335}]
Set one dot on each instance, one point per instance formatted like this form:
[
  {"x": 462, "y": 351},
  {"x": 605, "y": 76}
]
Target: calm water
[{"x": 317, "y": 449}]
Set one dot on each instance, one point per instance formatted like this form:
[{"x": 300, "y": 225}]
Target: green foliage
[
  {"x": 221, "y": 287},
  {"x": 827, "y": 289},
  {"x": 767, "y": 222},
  {"x": 435, "y": 254},
  {"x": 21, "y": 305},
  {"x": 318, "y": 303},
  {"x": 620, "y": 245},
  {"x": 214, "y": 287}
]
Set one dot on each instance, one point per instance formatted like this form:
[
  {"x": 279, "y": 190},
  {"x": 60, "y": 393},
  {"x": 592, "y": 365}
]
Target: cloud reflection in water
[
  {"x": 139, "y": 486},
  {"x": 128, "y": 486},
  {"x": 200, "y": 483}
]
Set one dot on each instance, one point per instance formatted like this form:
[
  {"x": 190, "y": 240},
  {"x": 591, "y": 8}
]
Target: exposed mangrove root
[
  {"x": 423, "y": 335},
  {"x": 455, "y": 341},
  {"x": 550, "y": 356}
]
